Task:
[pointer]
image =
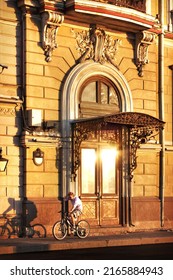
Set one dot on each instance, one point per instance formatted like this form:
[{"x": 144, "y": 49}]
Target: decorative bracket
[
  {"x": 51, "y": 21},
  {"x": 138, "y": 136},
  {"x": 143, "y": 40}
]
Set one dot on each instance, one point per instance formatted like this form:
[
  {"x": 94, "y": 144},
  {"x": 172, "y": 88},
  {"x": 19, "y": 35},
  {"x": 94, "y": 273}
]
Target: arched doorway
[
  {"x": 98, "y": 176},
  {"x": 92, "y": 89}
]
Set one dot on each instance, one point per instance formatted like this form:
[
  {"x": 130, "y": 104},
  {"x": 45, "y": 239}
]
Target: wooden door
[{"x": 99, "y": 184}]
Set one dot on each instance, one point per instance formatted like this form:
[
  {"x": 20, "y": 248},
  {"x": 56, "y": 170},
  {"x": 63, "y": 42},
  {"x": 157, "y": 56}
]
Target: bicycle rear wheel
[
  {"x": 82, "y": 229},
  {"x": 4, "y": 232},
  {"x": 59, "y": 230},
  {"x": 39, "y": 231}
]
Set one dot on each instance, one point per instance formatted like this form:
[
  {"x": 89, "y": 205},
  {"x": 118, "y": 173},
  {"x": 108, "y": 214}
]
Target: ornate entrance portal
[
  {"x": 103, "y": 160},
  {"x": 101, "y": 136}
]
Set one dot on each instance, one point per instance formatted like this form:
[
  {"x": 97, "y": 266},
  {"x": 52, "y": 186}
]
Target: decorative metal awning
[{"x": 140, "y": 128}]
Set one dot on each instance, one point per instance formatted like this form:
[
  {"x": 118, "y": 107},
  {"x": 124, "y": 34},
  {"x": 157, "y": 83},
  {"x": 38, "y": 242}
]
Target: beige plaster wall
[{"x": 11, "y": 180}]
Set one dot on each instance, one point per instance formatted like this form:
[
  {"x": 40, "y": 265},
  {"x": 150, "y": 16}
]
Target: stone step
[{"x": 100, "y": 231}]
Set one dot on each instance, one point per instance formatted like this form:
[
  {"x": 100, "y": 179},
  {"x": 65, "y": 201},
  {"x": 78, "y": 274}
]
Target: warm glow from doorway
[
  {"x": 107, "y": 155},
  {"x": 88, "y": 170}
]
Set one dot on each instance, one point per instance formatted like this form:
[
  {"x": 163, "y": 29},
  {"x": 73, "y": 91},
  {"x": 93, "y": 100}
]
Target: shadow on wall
[{"x": 30, "y": 211}]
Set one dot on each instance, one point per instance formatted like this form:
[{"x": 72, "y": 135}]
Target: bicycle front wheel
[
  {"x": 39, "y": 231},
  {"x": 83, "y": 229},
  {"x": 59, "y": 230}
]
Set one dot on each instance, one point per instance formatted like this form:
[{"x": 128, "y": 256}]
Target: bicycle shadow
[
  {"x": 25, "y": 214},
  {"x": 29, "y": 212},
  {"x": 14, "y": 206}
]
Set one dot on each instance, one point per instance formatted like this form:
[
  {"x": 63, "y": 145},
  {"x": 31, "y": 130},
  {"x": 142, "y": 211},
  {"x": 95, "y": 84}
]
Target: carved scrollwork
[
  {"x": 95, "y": 44},
  {"x": 143, "y": 40},
  {"x": 138, "y": 136},
  {"x": 4, "y": 111},
  {"x": 50, "y": 24},
  {"x": 139, "y": 5}
]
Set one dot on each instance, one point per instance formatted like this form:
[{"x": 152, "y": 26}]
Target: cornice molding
[
  {"x": 51, "y": 5},
  {"x": 106, "y": 10}
]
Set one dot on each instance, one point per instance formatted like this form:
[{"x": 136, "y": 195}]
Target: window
[
  {"x": 100, "y": 96},
  {"x": 100, "y": 92}
]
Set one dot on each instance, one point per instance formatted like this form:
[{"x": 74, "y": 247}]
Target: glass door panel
[
  {"x": 98, "y": 184},
  {"x": 88, "y": 176},
  {"x": 108, "y": 163}
]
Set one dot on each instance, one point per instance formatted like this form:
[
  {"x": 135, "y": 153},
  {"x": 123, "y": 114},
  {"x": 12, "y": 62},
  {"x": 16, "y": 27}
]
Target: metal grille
[{"x": 139, "y": 5}]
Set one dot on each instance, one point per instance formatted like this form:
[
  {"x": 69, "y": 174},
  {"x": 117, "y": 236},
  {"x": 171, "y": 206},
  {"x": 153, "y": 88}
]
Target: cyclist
[{"x": 76, "y": 209}]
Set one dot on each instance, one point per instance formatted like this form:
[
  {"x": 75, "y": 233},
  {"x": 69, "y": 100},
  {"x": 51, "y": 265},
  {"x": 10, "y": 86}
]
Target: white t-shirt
[{"x": 77, "y": 204}]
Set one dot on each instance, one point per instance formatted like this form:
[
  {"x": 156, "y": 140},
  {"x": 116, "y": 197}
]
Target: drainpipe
[
  {"x": 23, "y": 88},
  {"x": 161, "y": 107}
]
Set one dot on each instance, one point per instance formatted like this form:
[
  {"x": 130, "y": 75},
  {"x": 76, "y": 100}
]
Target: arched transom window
[{"x": 98, "y": 97}]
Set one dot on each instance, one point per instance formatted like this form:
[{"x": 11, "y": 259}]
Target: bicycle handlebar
[{"x": 68, "y": 213}]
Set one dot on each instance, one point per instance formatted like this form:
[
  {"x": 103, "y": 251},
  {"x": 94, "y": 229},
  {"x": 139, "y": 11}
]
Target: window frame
[{"x": 99, "y": 80}]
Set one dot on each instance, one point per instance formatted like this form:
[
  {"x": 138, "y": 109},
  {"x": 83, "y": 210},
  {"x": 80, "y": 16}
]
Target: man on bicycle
[{"x": 76, "y": 209}]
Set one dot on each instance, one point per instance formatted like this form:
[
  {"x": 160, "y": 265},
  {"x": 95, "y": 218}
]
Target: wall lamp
[
  {"x": 3, "y": 67},
  {"x": 38, "y": 157},
  {"x": 3, "y": 162}
]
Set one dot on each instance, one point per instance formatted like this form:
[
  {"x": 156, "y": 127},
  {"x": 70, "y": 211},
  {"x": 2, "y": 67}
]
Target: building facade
[{"x": 86, "y": 105}]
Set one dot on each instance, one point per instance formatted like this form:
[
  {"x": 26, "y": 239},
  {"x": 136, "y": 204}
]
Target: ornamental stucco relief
[
  {"x": 5, "y": 111},
  {"x": 96, "y": 45}
]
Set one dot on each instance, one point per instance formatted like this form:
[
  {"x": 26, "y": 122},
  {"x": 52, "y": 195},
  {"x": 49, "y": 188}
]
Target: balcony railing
[{"x": 139, "y": 5}]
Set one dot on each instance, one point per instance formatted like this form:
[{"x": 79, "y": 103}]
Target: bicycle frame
[
  {"x": 66, "y": 219},
  {"x": 8, "y": 226},
  {"x": 61, "y": 228}
]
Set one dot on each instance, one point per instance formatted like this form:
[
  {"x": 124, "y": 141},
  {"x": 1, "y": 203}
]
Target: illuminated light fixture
[
  {"x": 3, "y": 162},
  {"x": 38, "y": 157}
]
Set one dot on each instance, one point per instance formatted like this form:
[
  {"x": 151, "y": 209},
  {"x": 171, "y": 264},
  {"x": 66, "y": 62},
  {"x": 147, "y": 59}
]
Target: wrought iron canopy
[
  {"x": 131, "y": 119},
  {"x": 139, "y": 126}
]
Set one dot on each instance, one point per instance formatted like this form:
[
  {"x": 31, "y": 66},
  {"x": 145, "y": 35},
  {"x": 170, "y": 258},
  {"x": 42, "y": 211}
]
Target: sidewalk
[{"x": 26, "y": 245}]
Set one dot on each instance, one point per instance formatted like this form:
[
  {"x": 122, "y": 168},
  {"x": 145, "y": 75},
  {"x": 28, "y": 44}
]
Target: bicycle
[
  {"x": 61, "y": 228},
  {"x": 9, "y": 227}
]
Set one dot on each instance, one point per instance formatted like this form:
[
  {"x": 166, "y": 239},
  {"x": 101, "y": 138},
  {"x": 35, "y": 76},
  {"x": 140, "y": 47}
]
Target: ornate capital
[
  {"x": 95, "y": 44},
  {"x": 51, "y": 21},
  {"x": 143, "y": 40}
]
